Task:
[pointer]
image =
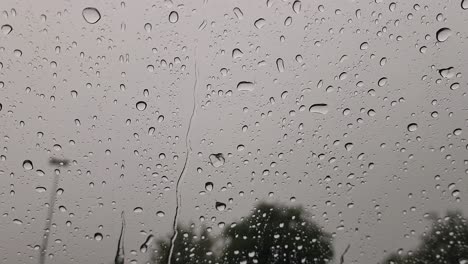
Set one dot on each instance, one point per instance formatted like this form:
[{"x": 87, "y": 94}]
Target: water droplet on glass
[
  {"x": 220, "y": 206},
  {"x": 412, "y": 127},
  {"x": 40, "y": 189},
  {"x": 238, "y": 13},
  {"x": 160, "y": 213},
  {"x": 443, "y": 34},
  {"x": 454, "y": 86},
  {"x": 217, "y": 160},
  {"x": 280, "y": 65},
  {"x": 173, "y": 17},
  {"x": 6, "y": 29},
  {"x": 259, "y": 23},
  {"x": 296, "y": 6},
  {"x": 209, "y": 186},
  {"x": 148, "y": 27},
  {"x": 98, "y": 236},
  {"x": 146, "y": 244},
  {"x": 319, "y": 109},
  {"x": 141, "y": 105},
  {"x": 364, "y": 46},
  {"x": 457, "y": 132},
  {"x": 237, "y": 53},
  {"x": 464, "y": 4},
  {"x": 18, "y": 53},
  {"x": 91, "y": 15},
  {"x": 447, "y": 72},
  {"x": 138, "y": 210},
  {"x": 245, "y": 86},
  {"x": 28, "y": 165},
  {"x": 382, "y": 82}
]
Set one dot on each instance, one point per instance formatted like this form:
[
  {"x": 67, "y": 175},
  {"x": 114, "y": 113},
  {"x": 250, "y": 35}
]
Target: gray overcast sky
[{"x": 70, "y": 90}]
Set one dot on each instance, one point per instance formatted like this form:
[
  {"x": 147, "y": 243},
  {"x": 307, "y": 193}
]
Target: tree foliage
[
  {"x": 270, "y": 234},
  {"x": 446, "y": 243}
]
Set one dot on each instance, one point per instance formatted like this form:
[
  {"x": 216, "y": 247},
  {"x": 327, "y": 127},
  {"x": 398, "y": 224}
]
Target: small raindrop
[
  {"x": 319, "y": 109},
  {"x": 280, "y": 65},
  {"x": 364, "y": 46},
  {"x": 412, "y": 127},
  {"x": 296, "y": 6},
  {"x": 238, "y": 13},
  {"x": 98, "y": 236},
  {"x": 41, "y": 189},
  {"x": 209, "y": 186},
  {"x": 18, "y": 53},
  {"x": 173, "y": 17},
  {"x": 6, "y": 29},
  {"x": 245, "y": 86},
  {"x": 454, "y": 86},
  {"x": 91, "y": 15},
  {"x": 148, "y": 27},
  {"x": 220, "y": 206},
  {"x": 382, "y": 82},
  {"x": 217, "y": 160},
  {"x": 28, "y": 165},
  {"x": 447, "y": 72},
  {"x": 443, "y": 34},
  {"x": 141, "y": 106},
  {"x": 237, "y": 53},
  {"x": 259, "y": 23},
  {"x": 160, "y": 213}
]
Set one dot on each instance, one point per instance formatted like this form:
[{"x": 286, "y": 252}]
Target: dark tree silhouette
[
  {"x": 276, "y": 234},
  {"x": 446, "y": 243},
  {"x": 270, "y": 234},
  {"x": 188, "y": 247}
]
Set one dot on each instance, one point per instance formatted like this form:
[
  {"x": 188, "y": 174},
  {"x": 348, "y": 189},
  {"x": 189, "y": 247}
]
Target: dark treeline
[
  {"x": 279, "y": 234},
  {"x": 445, "y": 243}
]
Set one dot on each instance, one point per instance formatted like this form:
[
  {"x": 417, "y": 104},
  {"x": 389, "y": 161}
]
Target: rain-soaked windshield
[{"x": 234, "y": 131}]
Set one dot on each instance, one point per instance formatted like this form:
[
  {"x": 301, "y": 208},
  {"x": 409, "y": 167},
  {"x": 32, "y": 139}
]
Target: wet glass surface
[{"x": 239, "y": 132}]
